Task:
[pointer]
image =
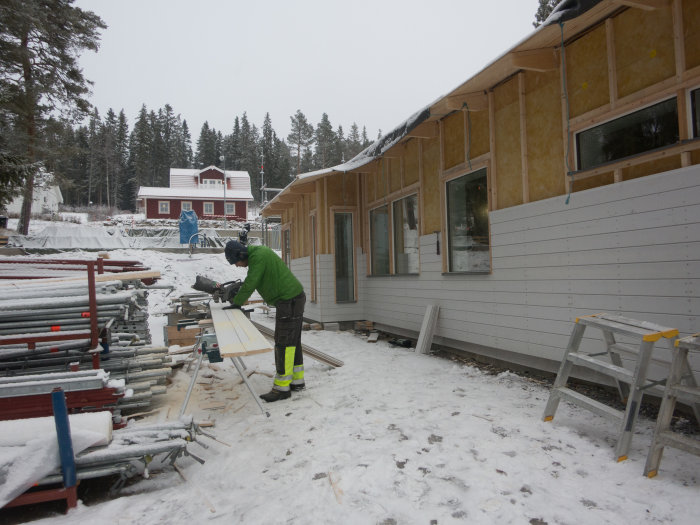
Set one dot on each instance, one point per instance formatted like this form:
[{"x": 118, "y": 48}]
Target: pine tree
[
  {"x": 365, "y": 139},
  {"x": 140, "y": 143},
  {"x": 40, "y": 43},
  {"x": 544, "y": 10},
  {"x": 325, "y": 139},
  {"x": 354, "y": 144},
  {"x": 301, "y": 137},
  {"x": 206, "y": 148}
]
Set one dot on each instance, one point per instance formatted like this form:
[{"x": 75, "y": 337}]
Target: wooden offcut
[{"x": 236, "y": 334}]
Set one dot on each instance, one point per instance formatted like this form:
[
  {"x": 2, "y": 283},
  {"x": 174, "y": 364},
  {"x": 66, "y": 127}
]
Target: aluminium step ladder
[
  {"x": 631, "y": 384},
  {"x": 681, "y": 384}
]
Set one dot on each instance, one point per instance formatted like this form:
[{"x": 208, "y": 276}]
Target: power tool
[{"x": 220, "y": 292}]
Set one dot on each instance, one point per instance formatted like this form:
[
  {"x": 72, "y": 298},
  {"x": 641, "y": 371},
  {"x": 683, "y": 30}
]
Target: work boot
[
  {"x": 297, "y": 387},
  {"x": 275, "y": 395}
]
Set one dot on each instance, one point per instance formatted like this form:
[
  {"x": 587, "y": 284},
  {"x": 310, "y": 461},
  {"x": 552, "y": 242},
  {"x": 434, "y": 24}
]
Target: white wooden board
[{"x": 236, "y": 334}]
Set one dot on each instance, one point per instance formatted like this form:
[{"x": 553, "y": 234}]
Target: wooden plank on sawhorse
[
  {"x": 631, "y": 384},
  {"x": 236, "y": 334},
  {"x": 681, "y": 384}
]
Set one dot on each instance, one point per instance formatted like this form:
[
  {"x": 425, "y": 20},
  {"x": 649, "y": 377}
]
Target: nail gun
[{"x": 220, "y": 292}]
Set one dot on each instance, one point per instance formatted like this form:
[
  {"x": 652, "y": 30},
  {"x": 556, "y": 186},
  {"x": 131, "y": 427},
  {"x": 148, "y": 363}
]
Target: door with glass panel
[{"x": 344, "y": 258}]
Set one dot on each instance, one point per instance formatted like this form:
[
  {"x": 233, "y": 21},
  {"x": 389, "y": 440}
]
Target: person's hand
[{"x": 232, "y": 306}]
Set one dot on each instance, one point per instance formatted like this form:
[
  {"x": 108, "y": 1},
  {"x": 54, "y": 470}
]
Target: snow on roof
[
  {"x": 195, "y": 172},
  {"x": 194, "y": 193}
]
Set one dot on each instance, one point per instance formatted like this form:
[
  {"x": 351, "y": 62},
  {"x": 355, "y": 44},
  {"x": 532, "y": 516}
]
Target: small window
[
  {"x": 379, "y": 240},
  {"x": 208, "y": 208},
  {"x": 186, "y": 205},
  {"x": 230, "y": 208},
  {"x": 405, "y": 215},
  {"x": 164, "y": 207},
  {"x": 468, "y": 223},
  {"x": 644, "y": 130},
  {"x": 695, "y": 109}
]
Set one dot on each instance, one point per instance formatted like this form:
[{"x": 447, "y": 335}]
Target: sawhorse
[
  {"x": 631, "y": 384},
  {"x": 208, "y": 345},
  {"x": 681, "y": 384},
  {"x": 233, "y": 336}
]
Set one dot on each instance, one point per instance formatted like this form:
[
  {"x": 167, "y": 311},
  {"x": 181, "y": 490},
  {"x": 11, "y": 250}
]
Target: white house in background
[
  {"x": 200, "y": 190},
  {"x": 47, "y": 197}
]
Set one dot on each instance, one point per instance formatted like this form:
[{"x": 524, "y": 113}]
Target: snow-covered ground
[{"x": 391, "y": 437}]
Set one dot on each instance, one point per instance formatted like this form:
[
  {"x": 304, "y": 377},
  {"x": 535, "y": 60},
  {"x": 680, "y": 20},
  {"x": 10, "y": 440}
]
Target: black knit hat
[{"x": 235, "y": 252}]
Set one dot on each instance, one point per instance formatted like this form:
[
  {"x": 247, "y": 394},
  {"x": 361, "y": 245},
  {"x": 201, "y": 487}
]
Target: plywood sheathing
[
  {"x": 587, "y": 81},
  {"x": 691, "y": 32},
  {"x": 411, "y": 163},
  {"x": 649, "y": 168},
  {"x": 478, "y": 123},
  {"x": 453, "y": 136},
  {"x": 508, "y": 159},
  {"x": 543, "y": 115},
  {"x": 430, "y": 186},
  {"x": 381, "y": 186},
  {"x": 594, "y": 181},
  {"x": 394, "y": 172},
  {"x": 644, "y": 49}
]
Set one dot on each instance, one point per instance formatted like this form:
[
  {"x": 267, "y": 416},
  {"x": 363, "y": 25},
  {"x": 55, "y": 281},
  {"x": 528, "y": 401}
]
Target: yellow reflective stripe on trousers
[
  {"x": 298, "y": 373},
  {"x": 286, "y": 379}
]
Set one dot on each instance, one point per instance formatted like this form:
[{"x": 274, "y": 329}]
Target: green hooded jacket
[{"x": 267, "y": 274}]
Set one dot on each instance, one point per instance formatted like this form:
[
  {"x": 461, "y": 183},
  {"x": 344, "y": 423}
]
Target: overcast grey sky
[{"x": 374, "y": 62}]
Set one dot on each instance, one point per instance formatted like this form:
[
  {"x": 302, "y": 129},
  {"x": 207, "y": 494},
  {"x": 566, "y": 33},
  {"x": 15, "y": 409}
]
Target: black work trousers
[{"x": 289, "y": 359}]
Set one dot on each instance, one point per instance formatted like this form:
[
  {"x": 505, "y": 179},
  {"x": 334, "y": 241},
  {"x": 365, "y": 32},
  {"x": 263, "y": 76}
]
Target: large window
[
  {"x": 230, "y": 208},
  {"x": 344, "y": 267},
  {"x": 405, "y": 215},
  {"x": 186, "y": 205},
  {"x": 208, "y": 208},
  {"x": 379, "y": 240},
  {"x": 164, "y": 207},
  {"x": 647, "y": 129},
  {"x": 468, "y": 223},
  {"x": 695, "y": 108}
]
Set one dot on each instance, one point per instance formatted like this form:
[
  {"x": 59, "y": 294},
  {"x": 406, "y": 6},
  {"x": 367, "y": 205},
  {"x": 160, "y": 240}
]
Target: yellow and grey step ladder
[
  {"x": 631, "y": 384},
  {"x": 681, "y": 384}
]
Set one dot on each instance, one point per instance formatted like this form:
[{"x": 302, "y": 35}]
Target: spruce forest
[{"x": 104, "y": 160}]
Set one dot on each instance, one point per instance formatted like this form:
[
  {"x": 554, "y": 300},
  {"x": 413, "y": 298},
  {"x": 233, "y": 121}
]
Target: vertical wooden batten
[
  {"x": 523, "y": 138},
  {"x": 492, "y": 147},
  {"x": 612, "y": 69}
]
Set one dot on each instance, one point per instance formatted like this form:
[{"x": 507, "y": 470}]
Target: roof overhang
[{"x": 537, "y": 52}]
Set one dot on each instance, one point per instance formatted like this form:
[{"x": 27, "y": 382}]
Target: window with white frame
[
  {"x": 379, "y": 240},
  {"x": 230, "y": 208},
  {"x": 468, "y": 223},
  {"x": 208, "y": 208},
  {"x": 695, "y": 111},
  {"x": 186, "y": 206},
  {"x": 643, "y": 130},
  {"x": 405, "y": 222},
  {"x": 163, "y": 207}
]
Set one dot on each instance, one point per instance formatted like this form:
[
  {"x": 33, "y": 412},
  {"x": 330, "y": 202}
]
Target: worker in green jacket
[{"x": 278, "y": 287}]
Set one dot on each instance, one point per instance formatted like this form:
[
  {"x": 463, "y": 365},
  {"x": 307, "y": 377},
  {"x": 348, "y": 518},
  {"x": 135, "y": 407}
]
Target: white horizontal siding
[{"x": 631, "y": 248}]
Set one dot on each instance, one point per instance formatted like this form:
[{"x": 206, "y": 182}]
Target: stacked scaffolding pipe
[{"x": 53, "y": 325}]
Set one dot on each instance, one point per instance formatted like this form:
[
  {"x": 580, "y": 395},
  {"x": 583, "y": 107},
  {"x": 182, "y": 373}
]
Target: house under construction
[{"x": 561, "y": 180}]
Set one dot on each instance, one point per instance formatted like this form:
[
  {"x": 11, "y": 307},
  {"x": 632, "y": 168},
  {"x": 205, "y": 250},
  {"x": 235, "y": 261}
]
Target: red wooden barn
[{"x": 200, "y": 190}]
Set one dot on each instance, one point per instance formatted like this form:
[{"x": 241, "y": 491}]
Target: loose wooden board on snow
[{"x": 236, "y": 334}]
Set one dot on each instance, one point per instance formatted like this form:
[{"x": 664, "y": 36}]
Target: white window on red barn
[
  {"x": 164, "y": 207},
  {"x": 208, "y": 208}
]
